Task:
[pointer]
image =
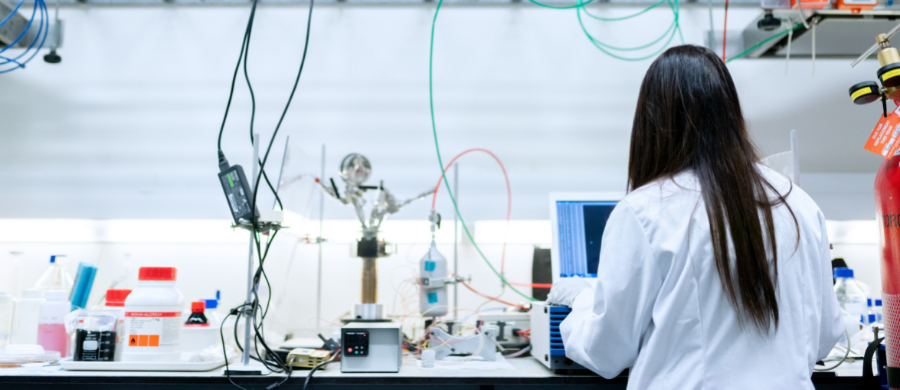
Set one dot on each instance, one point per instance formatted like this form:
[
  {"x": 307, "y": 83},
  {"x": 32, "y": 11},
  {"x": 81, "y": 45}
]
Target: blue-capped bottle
[
  {"x": 55, "y": 278},
  {"x": 849, "y": 295}
]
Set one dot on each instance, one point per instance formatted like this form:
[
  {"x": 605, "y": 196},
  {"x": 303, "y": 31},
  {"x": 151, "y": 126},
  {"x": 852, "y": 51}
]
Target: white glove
[{"x": 565, "y": 290}]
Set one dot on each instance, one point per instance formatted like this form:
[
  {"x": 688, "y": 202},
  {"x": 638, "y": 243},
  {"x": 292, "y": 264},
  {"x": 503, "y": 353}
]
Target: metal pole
[
  {"x": 284, "y": 159},
  {"x": 455, "y": 240},
  {"x": 245, "y": 358},
  {"x": 320, "y": 239}
]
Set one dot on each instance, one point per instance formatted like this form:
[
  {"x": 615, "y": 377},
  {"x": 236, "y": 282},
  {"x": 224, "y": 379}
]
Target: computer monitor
[{"x": 578, "y": 220}]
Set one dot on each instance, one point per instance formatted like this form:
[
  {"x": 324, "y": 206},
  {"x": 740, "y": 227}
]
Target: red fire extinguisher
[{"x": 887, "y": 204}]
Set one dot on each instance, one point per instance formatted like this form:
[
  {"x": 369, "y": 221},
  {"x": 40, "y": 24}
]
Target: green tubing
[
  {"x": 655, "y": 41},
  {"x": 764, "y": 41},
  {"x": 441, "y": 162},
  {"x": 623, "y": 17},
  {"x": 579, "y": 5},
  {"x": 675, "y": 27}
]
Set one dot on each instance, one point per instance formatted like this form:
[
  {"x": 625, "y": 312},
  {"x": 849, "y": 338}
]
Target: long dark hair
[{"x": 689, "y": 119}]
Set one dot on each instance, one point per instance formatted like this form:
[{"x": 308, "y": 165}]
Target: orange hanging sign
[{"x": 884, "y": 139}]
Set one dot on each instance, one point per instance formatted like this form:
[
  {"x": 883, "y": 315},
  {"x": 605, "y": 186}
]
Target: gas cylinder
[{"x": 887, "y": 204}]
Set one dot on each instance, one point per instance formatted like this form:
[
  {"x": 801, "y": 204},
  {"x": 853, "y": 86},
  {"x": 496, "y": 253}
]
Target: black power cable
[
  {"x": 255, "y": 309},
  {"x": 246, "y": 55},
  {"x": 318, "y": 366},
  {"x": 245, "y": 49},
  {"x": 222, "y": 337},
  {"x": 288, "y": 104}
]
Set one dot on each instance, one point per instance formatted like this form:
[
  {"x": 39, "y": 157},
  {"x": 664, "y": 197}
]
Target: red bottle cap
[
  {"x": 198, "y": 307},
  {"x": 116, "y": 297},
  {"x": 157, "y": 273}
]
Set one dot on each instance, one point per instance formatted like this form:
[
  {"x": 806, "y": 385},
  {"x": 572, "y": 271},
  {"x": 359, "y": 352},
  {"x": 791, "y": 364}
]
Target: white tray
[{"x": 183, "y": 365}]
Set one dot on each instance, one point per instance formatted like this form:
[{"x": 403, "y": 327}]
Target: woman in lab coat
[{"x": 714, "y": 271}]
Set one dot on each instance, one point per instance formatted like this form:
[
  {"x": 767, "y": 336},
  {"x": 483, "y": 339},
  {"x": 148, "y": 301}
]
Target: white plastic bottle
[
  {"x": 153, "y": 318},
  {"x": 25, "y": 321},
  {"x": 115, "y": 302},
  {"x": 55, "y": 278},
  {"x": 212, "y": 312},
  {"x": 7, "y": 308},
  {"x": 51, "y": 325},
  {"x": 849, "y": 295}
]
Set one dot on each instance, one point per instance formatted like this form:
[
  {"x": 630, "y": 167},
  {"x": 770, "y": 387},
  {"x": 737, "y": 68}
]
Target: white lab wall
[
  {"x": 124, "y": 127},
  {"x": 218, "y": 261}
]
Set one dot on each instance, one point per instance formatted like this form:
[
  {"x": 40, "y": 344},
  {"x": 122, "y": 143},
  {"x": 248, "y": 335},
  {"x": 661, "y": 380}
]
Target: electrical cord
[
  {"x": 242, "y": 57},
  {"x": 234, "y": 77},
  {"x": 222, "y": 337},
  {"x": 290, "y": 98},
  {"x": 246, "y": 55},
  {"x": 318, "y": 366},
  {"x": 846, "y": 354},
  {"x": 290, "y": 370},
  {"x": 254, "y": 309}
]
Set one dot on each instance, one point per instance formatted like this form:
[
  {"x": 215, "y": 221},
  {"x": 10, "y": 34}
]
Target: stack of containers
[{"x": 153, "y": 317}]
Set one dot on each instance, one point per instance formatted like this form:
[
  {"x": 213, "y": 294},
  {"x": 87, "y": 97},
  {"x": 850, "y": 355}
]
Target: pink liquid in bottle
[{"x": 52, "y": 337}]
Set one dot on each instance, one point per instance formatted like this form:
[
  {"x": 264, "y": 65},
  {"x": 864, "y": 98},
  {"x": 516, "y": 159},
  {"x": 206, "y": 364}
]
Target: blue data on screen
[{"x": 581, "y": 225}]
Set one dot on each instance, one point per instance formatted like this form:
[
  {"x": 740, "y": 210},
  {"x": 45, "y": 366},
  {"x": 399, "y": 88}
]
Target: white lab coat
[{"x": 659, "y": 308}]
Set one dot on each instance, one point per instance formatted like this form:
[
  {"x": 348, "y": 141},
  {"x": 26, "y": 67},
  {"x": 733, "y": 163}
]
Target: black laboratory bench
[{"x": 528, "y": 374}]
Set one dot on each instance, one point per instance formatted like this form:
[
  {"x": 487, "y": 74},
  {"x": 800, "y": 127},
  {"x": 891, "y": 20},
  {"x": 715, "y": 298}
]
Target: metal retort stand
[{"x": 355, "y": 171}]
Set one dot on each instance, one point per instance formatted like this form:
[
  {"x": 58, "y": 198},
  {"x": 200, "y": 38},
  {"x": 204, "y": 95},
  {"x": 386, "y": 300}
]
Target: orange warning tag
[
  {"x": 133, "y": 341},
  {"x": 883, "y": 140}
]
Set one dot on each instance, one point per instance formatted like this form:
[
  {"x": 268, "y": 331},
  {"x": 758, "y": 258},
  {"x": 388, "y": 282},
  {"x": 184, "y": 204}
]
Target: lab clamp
[
  {"x": 355, "y": 170},
  {"x": 433, "y": 277}
]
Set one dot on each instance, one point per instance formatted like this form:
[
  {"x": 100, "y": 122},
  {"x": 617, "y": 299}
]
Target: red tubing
[{"x": 508, "y": 192}]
